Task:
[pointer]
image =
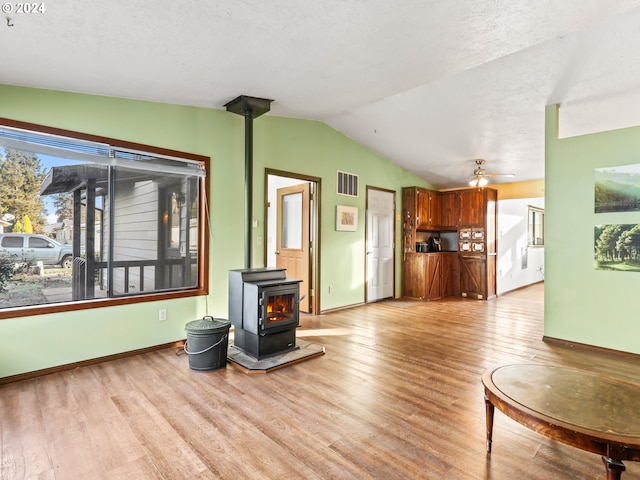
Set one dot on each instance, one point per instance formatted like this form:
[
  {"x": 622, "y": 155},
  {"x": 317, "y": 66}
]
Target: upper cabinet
[
  {"x": 430, "y": 209},
  {"x": 450, "y": 210},
  {"x": 472, "y": 207},
  {"x": 477, "y": 206},
  {"x": 462, "y": 208},
  {"x": 423, "y": 207}
]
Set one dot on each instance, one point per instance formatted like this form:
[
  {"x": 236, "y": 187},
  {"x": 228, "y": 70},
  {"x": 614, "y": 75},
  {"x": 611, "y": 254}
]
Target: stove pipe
[{"x": 249, "y": 108}]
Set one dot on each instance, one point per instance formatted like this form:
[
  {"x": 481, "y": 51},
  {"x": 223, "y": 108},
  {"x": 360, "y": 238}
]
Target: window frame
[
  {"x": 532, "y": 212},
  {"x": 202, "y": 287}
]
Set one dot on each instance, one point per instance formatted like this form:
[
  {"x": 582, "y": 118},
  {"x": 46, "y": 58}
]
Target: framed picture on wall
[
  {"x": 614, "y": 247},
  {"x": 617, "y": 189},
  {"x": 346, "y": 218}
]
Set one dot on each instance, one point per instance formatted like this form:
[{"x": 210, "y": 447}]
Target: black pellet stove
[{"x": 264, "y": 310}]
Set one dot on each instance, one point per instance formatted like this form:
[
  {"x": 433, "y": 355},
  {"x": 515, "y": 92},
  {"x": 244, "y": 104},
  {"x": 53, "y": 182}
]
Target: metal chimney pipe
[
  {"x": 248, "y": 186},
  {"x": 249, "y": 108}
]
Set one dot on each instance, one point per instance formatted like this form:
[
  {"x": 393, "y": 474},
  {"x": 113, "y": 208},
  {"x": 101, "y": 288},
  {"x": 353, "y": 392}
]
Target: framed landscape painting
[
  {"x": 617, "y": 247},
  {"x": 617, "y": 189}
]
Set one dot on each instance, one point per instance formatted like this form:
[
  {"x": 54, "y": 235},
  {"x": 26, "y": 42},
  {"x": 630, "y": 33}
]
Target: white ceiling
[{"x": 430, "y": 84}]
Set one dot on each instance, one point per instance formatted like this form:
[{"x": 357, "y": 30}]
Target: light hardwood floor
[{"x": 396, "y": 396}]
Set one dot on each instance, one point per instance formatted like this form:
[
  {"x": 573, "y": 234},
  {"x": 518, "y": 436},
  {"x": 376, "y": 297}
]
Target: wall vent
[{"x": 347, "y": 184}]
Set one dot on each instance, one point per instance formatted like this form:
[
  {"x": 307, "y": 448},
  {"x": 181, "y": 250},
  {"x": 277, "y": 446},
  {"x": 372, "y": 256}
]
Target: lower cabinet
[
  {"x": 478, "y": 276},
  {"x": 414, "y": 275},
  {"x": 430, "y": 276},
  {"x": 450, "y": 274},
  {"x": 425, "y": 275},
  {"x": 434, "y": 276}
]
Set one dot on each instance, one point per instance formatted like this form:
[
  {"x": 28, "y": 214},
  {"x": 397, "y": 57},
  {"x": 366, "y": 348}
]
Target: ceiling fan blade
[{"x": 480, "y": 175}]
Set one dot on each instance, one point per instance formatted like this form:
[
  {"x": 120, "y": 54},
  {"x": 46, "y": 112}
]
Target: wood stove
[{"x": 264, "y": 310}]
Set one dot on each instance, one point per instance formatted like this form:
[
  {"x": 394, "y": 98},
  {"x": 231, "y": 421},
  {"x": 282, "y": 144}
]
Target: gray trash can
[{"x": 207, "y": 343}]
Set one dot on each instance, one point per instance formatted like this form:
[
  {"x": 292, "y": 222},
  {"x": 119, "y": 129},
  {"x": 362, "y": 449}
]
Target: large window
[
  {"x": 128, "y": 219},
  {"x": 536, "y": 227}
]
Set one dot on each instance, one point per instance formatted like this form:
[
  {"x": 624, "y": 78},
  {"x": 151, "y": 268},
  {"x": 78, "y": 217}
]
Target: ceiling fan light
[{"x": 478, "y": 181}]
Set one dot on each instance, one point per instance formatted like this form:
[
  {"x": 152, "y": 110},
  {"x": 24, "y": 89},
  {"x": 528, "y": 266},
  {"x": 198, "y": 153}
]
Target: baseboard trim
[
  {"x": 93, "y": 361},
  {"x": 345, "y": 307},
  {"x": 587, "y": 347},
  {"x": 519, "y": 288}
]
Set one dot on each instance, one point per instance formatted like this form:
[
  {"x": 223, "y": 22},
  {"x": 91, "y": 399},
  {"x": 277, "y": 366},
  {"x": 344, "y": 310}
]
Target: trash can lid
[{"x": 207, "y": 325}]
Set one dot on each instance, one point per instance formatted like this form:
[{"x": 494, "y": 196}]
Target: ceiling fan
[{"x": 480, "y": 176}]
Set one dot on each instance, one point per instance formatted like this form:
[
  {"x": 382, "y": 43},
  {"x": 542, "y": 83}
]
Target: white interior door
[{"x": 380, "y": 244}]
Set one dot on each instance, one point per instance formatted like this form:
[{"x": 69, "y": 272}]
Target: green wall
[
  {"x": 585, "y": 305},
  {"x": 300, "y": 146}
]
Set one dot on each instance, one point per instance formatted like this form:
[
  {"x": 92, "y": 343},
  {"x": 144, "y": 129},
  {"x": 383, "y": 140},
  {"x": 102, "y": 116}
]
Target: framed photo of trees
[
  {"x": 617, "y": 190},
  {"x": 617, "y": 247}
]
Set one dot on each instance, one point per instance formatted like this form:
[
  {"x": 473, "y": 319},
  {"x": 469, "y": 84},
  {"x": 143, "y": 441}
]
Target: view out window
[
  {"x": 127, "y": 219},
  {"x": 536, "y": 226}
]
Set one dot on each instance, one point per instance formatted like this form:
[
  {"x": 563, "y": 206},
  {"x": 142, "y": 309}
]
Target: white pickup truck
[{"x": 23, "y": 247}]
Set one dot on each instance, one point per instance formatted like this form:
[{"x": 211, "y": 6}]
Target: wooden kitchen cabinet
[
  {"x": 450, "y": 279},
  {"x": 472, "y": 275},
  {"x": 471, "y": 207},
  {"x": 414, "y": 275},
  {"x": 422, "y": 206},
  {"x": 422, "y": 209},
  {"x": 477, "y": 276},
  {"x": 434, "y": 276},
  {"x": 433, "y": 212},
  {"x": 422, "y": 276},
  {"x": 449, "y": 210},
  {"x": 476, "y": 206},
  {"x": 470, "y": 272},
  {"x": 478, "y": 267},
  {"x": 463, "y": 208}
]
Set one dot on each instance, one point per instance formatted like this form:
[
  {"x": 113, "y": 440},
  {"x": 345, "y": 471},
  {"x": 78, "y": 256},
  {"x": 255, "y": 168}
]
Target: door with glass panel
[{"x": 292, "y": 236}]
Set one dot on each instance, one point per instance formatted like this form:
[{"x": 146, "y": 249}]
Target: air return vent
[{"x": 347, "y": 184}]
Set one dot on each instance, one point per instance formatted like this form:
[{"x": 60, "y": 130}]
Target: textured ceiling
[{"x": 431, "y": 85}]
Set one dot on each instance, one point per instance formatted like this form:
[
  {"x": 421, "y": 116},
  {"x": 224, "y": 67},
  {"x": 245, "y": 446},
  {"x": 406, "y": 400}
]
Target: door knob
[{"x": 277, "y": 252}]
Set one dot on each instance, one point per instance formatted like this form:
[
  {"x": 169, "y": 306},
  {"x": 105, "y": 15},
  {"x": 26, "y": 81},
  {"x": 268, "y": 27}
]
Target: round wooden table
[{"x": 592, "y": 412}]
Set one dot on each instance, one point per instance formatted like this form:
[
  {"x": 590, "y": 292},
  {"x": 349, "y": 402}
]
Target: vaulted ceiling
[{"x": 431, "y": 85}]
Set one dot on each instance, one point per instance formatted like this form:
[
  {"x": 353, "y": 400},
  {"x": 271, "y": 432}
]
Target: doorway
[
  {"x": 380, "y": 244},
  {"x": 291, "y": 213}
]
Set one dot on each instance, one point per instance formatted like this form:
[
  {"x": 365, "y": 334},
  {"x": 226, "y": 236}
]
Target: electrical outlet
[
  {"x": 162, "y": 314},
  {"x": 330, "y": 288}
]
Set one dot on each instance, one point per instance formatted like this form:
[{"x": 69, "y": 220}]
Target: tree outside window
[{"x": 132, "y": 218}]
